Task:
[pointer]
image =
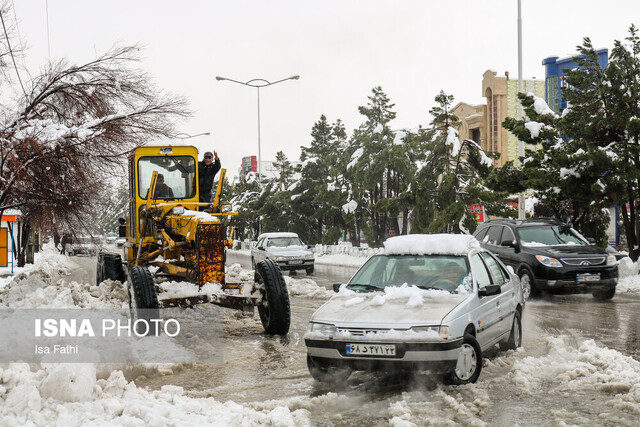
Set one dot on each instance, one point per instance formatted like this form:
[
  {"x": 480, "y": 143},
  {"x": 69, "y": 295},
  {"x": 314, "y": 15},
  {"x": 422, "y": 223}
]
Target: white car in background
[
  {"x": 285, "y": 249},
  {"x": 429, "y": 302}
]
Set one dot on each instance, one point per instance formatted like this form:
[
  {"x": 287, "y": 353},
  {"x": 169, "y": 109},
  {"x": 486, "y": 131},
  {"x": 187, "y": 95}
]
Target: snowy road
[
  {"x": 555, "y": 378},
  {"x": 579, "y": 365}
]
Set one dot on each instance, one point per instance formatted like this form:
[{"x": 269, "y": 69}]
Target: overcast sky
[{"x": 341, "y": 49}]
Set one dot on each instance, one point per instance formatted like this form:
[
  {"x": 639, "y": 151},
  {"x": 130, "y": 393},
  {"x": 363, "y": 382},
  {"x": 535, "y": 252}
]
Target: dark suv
[{"x": 550, "y": 256}]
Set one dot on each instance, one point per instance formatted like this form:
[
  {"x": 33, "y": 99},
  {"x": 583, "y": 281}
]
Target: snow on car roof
[
  {"x": 431, "y": 244},
  {"x": 277, "y": 234}
]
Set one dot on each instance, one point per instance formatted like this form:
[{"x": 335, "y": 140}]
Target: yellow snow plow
[{"x": 173, "y": 237}]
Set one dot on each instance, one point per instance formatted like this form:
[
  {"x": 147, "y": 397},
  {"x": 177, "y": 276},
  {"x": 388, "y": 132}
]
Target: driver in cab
[{"x": 163, "y": 191}]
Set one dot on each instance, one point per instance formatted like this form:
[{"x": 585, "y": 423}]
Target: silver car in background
[{"x": 285, "y": 249}]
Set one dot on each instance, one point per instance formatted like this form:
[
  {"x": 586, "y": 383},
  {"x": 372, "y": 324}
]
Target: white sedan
[{"x": 430, "y": 302}]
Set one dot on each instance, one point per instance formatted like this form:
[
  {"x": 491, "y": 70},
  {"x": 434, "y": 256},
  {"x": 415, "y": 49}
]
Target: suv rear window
[{"x": 549, "y": 235}]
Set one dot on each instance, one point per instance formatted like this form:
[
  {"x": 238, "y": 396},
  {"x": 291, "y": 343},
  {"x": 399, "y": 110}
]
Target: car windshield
[
  {"x": 283, "y": 242},
  {"x": 549, "y": 235},
  {"x": 176, "y": 176},
  {"x": 445, "y": 272}
]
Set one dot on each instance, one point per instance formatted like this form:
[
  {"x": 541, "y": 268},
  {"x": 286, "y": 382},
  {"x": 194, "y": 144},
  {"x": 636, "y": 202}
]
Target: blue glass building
[{"x": 554, "y": 77}]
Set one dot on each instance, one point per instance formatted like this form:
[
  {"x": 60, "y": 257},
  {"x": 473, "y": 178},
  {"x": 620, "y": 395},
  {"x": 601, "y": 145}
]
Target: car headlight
[
  {"x": 611, "y": 260},
  {"x": 549, "y": 262},
  {"x": 322, "y": 328},
  {"x": 280, "y": 258},
  {"x": 440, "y": 331},
  {"x": 310, "y": 256}
]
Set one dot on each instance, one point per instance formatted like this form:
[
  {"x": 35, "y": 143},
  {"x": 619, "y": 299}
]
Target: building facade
[
  {"x": 554, "y": 68},
  {"x": 483, "y": 123}
]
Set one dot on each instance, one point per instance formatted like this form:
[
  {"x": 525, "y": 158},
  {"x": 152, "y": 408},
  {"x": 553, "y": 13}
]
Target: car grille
[
  {"x": 360, "y": 332},
  {"x": 584, "y": 262}
]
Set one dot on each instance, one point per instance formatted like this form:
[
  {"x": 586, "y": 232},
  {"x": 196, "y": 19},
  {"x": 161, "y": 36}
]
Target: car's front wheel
[
  {"x": 469, "y": 363},
  {"x": 604, "y": 295},
  {"x": 327, "y": 374},
  {"x": 528, "y": 284}
]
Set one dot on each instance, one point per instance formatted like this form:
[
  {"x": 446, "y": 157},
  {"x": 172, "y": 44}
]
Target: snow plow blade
[{"x": 230, "y": 301}]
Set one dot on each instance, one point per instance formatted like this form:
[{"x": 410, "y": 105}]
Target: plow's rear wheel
[
  {"x": 143, "y": 299},
  {"x": 109, "y": 267},
  {"x": 275, "y": 312}
]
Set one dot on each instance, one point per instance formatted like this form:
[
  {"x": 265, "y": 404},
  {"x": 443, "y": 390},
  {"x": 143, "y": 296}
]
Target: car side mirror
[
  {"x": 308, "y": 246},
  {"x": 336, "y": 287},
  {"x": 260, "y": 248},
  {"x": 508, "y": 243},
  {"x": 489, "y": 290},
  {"x": 591, "y": 240}
]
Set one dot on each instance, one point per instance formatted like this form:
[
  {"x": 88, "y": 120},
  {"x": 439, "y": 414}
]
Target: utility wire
[{"x": 11, "y": 52}]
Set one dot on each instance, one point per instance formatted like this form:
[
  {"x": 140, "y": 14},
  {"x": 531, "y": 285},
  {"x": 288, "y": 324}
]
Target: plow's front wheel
[{"x": 275, "y": 312}]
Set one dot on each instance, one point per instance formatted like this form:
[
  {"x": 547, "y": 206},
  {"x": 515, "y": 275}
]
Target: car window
[
  {"x": 507, "y": 235},
  {"x": 260, "y": 243},
  {"x": 480, "y": 234},
  {"x": 549, "y": 235},
  {"x": 494, "y": 234},
  {"x": 283, "y": 242},
  {"x": 445, "y": 272},
  {"x": 480, "y": 271},
  {"x": 498, "y": 275}
]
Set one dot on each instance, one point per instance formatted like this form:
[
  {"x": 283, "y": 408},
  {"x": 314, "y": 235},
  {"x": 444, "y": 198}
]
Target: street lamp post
[
  {"x": 258, "y": 83},
  {"x": 184, "y": 135}
]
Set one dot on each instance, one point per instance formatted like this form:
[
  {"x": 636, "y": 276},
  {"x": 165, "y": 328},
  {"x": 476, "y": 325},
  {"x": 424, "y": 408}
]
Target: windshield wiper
[
  {"x": 427, "y": 287},
  {"x": 364, "y": 286}
]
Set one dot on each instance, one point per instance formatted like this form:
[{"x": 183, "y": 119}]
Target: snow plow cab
[{"x": 171, "y": 233}]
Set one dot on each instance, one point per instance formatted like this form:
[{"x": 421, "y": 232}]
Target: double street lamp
[
  {"x": 184, "y": 135},
  {"x": 258, "y": 83}
]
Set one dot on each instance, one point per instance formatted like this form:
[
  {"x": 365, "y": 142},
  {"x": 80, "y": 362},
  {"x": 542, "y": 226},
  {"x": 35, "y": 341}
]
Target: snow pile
[
  {"x": 355, "y": 157},
  {"x": 43, "y": 285},
  {"x": 398, "y": 138},
  {"x": 626, "y": 267},
  {"x": 350, "y": 207},
  {"x": 173, "y": 289},
  {"x": 413, "y": 295},
  {"x": 70, "y": 394},
  {"x": 629, "y": 281},
  {"x": 540, "y": 106},
  {"x": 534, "y": 128},
  {"x": 307, "y": 288},
  {"x": 587, "y": 367},
  {"x": 453, "y": 141},
  {"x": 431, "y": 244}
]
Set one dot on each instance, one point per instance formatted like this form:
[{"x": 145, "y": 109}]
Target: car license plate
[
  {"x": 295, "y": 262},
  {"x": 371, "y": 349},
  {"x": 587, "y": 277}
]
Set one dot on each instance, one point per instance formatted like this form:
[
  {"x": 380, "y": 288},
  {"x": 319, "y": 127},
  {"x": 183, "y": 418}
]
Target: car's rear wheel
[
  {"x": 469, "y": 364},
  {"x": 604, "y": 295},
  {"x": 309, "y": 270},
  {"x": 528, "y": 284},
  {"x": 515, "y": 337},
  {"x": 327, "y": 374}
]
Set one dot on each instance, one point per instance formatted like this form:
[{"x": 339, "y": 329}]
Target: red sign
[{"x": 478, "y": 211}]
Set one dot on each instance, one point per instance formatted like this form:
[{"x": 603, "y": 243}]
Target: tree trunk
[{"x": 24, "y": 233}]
